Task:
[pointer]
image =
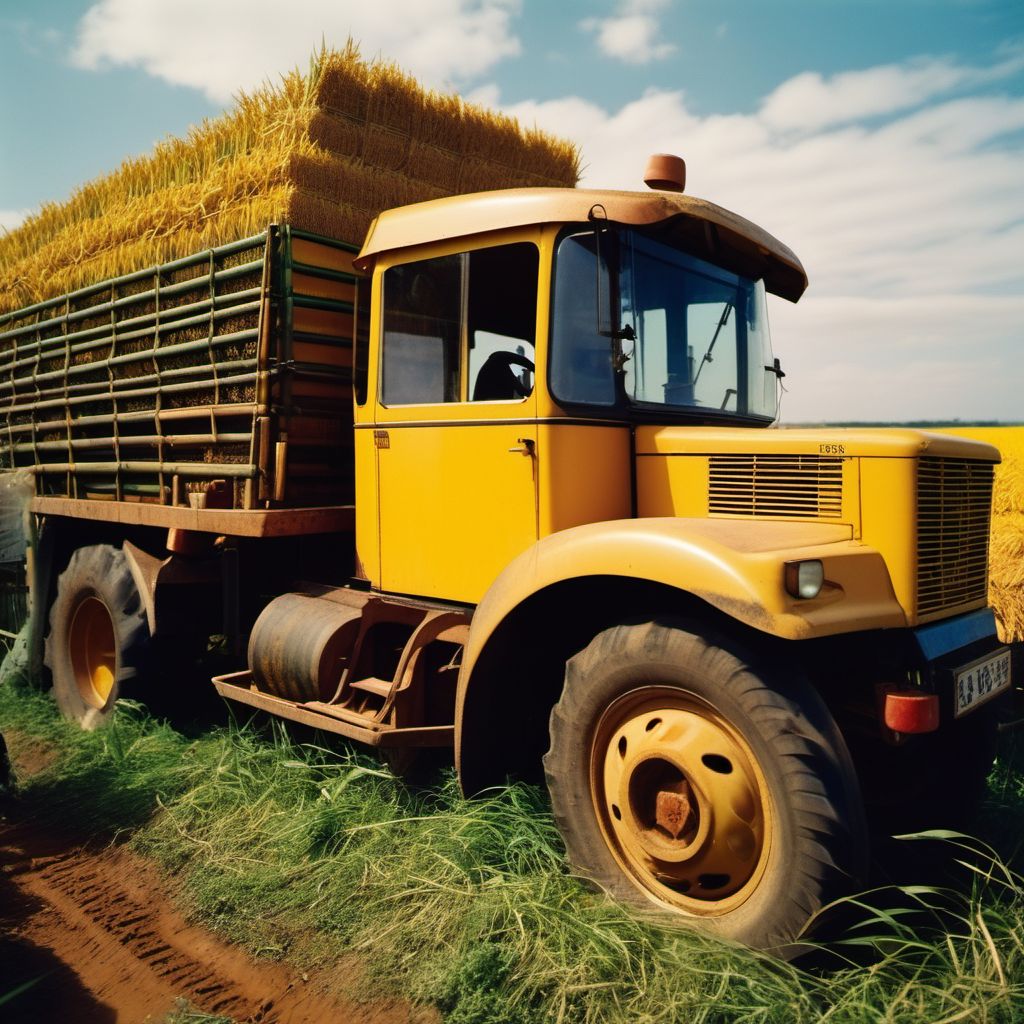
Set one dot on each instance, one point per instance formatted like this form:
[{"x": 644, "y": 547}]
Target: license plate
[{"x": 981, "y": 681}]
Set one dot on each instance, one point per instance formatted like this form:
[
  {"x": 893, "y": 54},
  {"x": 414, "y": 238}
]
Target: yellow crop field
[{"x": 1006, "y": 553}]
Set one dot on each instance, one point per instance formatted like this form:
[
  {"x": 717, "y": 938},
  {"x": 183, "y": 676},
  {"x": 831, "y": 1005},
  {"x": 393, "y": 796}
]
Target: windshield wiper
[{"x": 722, "y": 321}]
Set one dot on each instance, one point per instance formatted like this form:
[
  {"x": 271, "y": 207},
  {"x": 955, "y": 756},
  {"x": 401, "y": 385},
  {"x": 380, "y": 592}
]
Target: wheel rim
[
  {"x": 681, "y": 800},
  {"x": 93, "y": 651}
]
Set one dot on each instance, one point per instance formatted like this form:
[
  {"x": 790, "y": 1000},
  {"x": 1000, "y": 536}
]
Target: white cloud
[
  {"x": 633, "y": 34},
  {"x": 809, "y": 102},
  {"x": 863, "y": 357},
  {"x": 898, "y": 185},
  {"x": 35, "y": 41},
  {"x": 10, "y": 219},
  {"x": 226, "y": 45},
  {"x": 910, "y": 226}
]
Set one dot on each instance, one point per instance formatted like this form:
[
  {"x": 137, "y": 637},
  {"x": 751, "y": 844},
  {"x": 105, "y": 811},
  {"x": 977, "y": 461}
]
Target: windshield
[{"x": 638, "y": 321}]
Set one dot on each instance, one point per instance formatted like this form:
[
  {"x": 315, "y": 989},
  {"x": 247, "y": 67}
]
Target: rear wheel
[
  {"x": 686, "y": 781},
  {"x": 98, "y": 634}
]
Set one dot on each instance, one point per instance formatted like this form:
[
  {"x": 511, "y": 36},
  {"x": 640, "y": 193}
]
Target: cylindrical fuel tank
[{"x": 299, "y": 645}]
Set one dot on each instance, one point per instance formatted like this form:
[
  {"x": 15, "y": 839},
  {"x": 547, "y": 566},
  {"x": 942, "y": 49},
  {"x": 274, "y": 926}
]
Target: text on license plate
[{"x": 976, "y": 683}]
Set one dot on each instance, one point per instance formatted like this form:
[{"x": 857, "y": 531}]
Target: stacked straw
[
  {"x": 325, "y": 151},
  {"x": 1006, "y": 553}
]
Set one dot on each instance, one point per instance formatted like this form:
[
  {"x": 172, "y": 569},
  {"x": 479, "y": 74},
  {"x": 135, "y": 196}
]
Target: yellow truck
[{"x": 504, "y": 481}]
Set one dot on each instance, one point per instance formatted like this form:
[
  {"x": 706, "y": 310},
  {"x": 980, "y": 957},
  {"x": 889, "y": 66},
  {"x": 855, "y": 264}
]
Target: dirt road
[{"x": 97, "y": 926}]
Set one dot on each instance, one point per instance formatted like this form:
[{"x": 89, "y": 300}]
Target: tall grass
[{"x": 306, "y": 851}]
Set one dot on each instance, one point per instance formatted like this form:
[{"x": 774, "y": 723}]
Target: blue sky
[{"x": 883, "y": 141}]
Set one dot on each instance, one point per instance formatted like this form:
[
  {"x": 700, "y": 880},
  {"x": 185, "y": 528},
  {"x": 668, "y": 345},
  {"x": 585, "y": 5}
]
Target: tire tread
[{"x": 829, "y": 845}]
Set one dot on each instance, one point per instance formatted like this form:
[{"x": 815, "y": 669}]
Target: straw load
[
  {"x": 1006, "y": 557},
  {"x": 325, "y": 151},
  {"x": 153, "y": 379}
]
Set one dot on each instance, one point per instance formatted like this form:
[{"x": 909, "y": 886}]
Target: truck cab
[
  {"x": 564, "y": 402},
  {"x": 520, "y": 340}
]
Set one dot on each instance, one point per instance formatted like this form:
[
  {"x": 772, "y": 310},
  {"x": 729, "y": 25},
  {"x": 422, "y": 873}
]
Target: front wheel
[{"x": 686, "y": 780}]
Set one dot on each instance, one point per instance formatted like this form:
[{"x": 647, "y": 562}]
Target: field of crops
[{"x": 1006, "y": 557}]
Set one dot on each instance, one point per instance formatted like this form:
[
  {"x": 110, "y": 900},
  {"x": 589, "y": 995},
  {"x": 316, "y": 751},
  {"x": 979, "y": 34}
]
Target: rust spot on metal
[{"x": 675, "y": 811}]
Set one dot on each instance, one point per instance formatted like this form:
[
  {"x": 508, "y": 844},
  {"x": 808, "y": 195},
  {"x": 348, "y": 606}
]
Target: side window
[
  {"x": 581, "y": 364},
  {"x": 461, "y": 328},
  {"x": 502, "y": 320},
  {"x": 422, "y": 331}
]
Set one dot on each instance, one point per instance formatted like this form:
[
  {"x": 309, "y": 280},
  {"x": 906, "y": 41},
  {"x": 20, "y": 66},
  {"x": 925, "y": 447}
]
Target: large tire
[
  {"x": 98, "y": 634},
  {"x": 686, "y": 781}
]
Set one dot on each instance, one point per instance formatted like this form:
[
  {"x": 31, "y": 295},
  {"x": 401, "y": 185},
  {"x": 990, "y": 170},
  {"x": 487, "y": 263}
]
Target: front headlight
[{"x": 804, "y": 579}]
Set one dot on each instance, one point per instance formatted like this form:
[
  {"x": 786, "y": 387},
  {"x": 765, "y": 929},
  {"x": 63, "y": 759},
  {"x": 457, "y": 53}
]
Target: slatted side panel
[
  {"x": 142, "y": 387},
  {"x": 222, "y": 379},
  {"x": 312, "y": 393},
  {"x": 954, "y": 498},
  {"x": 790, "y": 486}
]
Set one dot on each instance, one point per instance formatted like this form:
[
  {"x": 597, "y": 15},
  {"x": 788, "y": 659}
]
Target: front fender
[{"x": 735, "y": 566}]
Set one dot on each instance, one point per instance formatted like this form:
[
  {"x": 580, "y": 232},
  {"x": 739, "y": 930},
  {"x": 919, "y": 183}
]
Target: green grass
[{"x": 309, "y": 852}]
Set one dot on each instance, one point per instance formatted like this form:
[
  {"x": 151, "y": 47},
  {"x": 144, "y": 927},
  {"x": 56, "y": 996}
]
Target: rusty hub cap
[
  {"x": 92, "y": 649},
  {"x": 681, "y": 800}
]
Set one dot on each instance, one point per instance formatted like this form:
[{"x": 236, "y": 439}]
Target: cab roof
[{"x": 704, "y": 229}]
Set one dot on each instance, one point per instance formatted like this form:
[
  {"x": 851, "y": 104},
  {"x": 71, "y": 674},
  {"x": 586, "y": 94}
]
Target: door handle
[{"x": 526, "y": 446}]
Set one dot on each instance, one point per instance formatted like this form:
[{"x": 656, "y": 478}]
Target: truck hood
[{"x": 894, "y": 443}]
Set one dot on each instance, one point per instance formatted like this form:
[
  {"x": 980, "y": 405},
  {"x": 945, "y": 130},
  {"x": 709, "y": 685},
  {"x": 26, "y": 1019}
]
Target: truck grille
[
  {"x": 794, "y": 486},
  {"x": 954, "y": 500}
]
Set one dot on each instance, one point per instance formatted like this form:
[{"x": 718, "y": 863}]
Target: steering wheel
[{"x": 496, "y": 377}]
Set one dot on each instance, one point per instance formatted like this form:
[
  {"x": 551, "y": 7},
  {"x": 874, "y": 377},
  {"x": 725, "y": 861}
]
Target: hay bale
[
  {"x": 1006, "y": 580},
  {"x": 337, "y": 132},
  {"x": 324, "y": 150},
  {"x": 1006, "y": 550},
  {"x": 1006, "y": 546}
]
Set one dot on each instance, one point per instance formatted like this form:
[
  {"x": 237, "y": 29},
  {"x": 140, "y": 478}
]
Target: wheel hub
[
  {"x": 93, "y": 652},
  {"x": 681, "y": 800},
  {"x": 676, "y": 811}
]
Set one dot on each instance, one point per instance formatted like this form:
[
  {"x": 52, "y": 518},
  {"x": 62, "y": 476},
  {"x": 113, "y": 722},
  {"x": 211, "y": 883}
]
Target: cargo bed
[{"x": 218, "y": 382}]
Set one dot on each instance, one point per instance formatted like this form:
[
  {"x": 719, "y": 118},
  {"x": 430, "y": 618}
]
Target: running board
[{"x": 238, "y": 686}]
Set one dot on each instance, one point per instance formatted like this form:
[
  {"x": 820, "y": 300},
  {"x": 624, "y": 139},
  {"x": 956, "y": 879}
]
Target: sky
[{"x": 882, "y": 140}]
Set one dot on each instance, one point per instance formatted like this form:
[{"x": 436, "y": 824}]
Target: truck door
[{"x": 455, "y": 420}]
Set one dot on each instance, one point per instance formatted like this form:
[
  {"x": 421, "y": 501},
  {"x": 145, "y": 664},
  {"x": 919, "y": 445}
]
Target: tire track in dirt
[{"x": 105, "y": 913}]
